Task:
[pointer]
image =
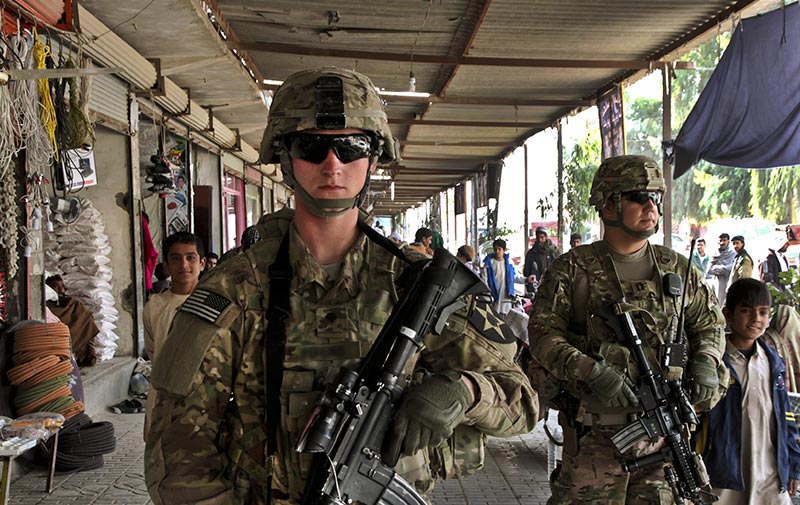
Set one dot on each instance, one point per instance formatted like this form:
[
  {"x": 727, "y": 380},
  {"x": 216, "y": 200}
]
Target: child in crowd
[{"x": 750, "y": 437}]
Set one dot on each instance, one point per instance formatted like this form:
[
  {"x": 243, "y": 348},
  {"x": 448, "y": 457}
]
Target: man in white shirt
[{"x": 184, "y": 259}]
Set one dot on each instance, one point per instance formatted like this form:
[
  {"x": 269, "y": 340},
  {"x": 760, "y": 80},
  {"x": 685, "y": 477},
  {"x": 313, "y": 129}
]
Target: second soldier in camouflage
[{"x": 579, "y": 363}]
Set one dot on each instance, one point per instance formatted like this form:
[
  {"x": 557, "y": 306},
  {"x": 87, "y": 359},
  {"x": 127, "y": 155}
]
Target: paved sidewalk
[
  {"x": 515, "y": 473},
  {"x": 119, "y": 481}
]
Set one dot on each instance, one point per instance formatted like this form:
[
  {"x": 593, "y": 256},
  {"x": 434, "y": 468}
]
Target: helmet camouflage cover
[
  {"x": 621, "y": 174},
  {"x": 298, "y": 105}
]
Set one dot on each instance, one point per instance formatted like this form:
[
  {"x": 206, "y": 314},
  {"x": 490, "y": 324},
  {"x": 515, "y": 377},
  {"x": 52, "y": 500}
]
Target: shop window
[
  {"x": 235, "y": 221},
  {"x": 253, "y": 204}
]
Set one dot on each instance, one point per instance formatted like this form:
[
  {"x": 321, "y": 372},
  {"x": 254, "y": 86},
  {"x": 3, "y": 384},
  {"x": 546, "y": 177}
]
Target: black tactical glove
[
  {"x": 612, "y": 387},
  {"x": 427, "y": 416},
  {"x": 704, "y": 379}
]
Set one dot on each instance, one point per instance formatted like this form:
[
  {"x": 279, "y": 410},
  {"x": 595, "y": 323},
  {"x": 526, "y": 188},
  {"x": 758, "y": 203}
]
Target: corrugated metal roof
[{"x": 481, "y": 108}]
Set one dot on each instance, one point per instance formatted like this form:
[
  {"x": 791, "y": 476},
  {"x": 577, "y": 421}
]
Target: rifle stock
[
  {"x": 347, "y": 430},
  {"x": 666, "y": 413}
]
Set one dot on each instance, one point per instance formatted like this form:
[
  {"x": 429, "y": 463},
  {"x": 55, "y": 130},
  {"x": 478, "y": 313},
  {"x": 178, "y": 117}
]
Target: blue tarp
[{"x": 748, "y": 115}]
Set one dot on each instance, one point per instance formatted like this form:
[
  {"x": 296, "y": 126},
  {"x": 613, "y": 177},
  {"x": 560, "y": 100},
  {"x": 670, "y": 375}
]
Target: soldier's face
[
  {"x": 639, "y": 216},
  {"x": 331, "y": 178}
]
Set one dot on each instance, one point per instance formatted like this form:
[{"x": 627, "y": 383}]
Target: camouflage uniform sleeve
[
  {"x": 704, "y": 322},
  {"x": 194, "y": 383},
  {"x": 505, "y": 403},
  {"x": 550, "y": 318}
]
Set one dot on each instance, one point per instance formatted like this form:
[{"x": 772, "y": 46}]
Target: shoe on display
[
  {"x": 160, "y": 165},
  {"x": 162, "y": 189}
]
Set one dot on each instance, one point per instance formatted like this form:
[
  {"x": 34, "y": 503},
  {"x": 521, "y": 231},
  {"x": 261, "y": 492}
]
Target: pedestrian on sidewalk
[
  {"x": 749, "y": 440},
  {"x": 721, "y": 264},
  {"x": 742, "y": 263},
  {"x": 184, "y": 260}
]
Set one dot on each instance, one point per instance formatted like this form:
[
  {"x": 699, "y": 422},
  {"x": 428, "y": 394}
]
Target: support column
[
  {"x": 475, "y": 200},
  {"x": 527, "y": 227},
  {"x": 135, "y": 211},
  {"x": 560, "y": 147},
  {"x": 666, "y": 81}
]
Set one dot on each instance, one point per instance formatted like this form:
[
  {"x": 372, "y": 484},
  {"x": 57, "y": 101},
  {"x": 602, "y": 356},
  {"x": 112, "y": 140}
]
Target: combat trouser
[{"x": 591, "y": 468}]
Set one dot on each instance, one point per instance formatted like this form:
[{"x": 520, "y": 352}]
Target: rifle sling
[{"x": 280, "y": 278}]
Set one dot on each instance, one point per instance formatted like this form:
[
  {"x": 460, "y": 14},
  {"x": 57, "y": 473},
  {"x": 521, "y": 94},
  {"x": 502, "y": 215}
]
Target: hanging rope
[
  {"x": 48, "y": 112},
  {"x": 76, "y": 128},
  {"x": 38, "y": 151}
]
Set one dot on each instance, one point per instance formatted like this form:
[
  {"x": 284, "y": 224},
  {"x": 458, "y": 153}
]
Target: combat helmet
[
  {"x": 327, "y": 98},
  {"x": 621, "y": 174}
]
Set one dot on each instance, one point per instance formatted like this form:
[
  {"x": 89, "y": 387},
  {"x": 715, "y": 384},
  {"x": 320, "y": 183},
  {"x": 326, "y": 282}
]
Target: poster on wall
[
  {"x": 177, "y": 204},
  {"x": 612, "y": 130}
]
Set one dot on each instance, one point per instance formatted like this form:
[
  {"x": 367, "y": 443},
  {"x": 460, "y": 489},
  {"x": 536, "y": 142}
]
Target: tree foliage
[
  {"x": 707, "y": 191},
  {"x": 579, "y": 168},
  {"x": 774, "y": 193}
]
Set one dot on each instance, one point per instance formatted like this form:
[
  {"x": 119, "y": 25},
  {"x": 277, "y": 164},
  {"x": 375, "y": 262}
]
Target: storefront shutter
[{"x": 109, "y": 99}]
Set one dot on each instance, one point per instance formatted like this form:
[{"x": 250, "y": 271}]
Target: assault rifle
[
  {"x": 347, "y": 430},
  {"x": 667, "y": 409}
]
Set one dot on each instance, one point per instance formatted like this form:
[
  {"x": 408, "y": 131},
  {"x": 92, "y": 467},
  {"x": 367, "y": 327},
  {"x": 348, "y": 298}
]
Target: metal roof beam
[
  {"x": 469, "y": 100},
  {"x": 452, "y": 143},
  {"x": 459, "y": 159},
  {"x": 480, "y": 124},
  {"x": 276, "y": 47}
]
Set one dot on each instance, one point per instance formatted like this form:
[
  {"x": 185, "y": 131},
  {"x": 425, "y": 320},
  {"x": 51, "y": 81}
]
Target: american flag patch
[{"x": 205, "y": 305}]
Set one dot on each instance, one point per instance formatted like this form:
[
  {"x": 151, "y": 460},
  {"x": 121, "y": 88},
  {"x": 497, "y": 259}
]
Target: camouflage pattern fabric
[
  {"x": 293, "y": 109},
  {"x": 625, "y": 173},
  {"x": 207, "y": 444},
  {"x": 594, "y": 474},
  {"x": 782, "y": 334},
  {"x": 565, "y": 352}
]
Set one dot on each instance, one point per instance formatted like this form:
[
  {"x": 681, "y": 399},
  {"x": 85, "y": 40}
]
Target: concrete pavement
[{"x": 515, "y": 473}]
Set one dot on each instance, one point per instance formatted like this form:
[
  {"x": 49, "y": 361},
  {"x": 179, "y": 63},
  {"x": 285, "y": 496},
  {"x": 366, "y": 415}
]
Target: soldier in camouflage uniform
[
  {"x": 580, "y": 365},
  {"x": 207, "y": 445}
]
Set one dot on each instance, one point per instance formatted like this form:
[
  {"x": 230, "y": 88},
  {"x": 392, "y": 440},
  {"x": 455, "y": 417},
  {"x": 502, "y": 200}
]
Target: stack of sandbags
[
  {"x": 79, "y": 251},
  {"x": 42, "y": 371}
]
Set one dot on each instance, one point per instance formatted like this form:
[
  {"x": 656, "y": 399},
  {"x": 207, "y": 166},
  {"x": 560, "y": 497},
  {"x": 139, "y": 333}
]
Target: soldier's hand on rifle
[
  {"x": 703, "y": 372},
  {"x": 611, "y": 386},
  {"x": 428, "y": 414}
]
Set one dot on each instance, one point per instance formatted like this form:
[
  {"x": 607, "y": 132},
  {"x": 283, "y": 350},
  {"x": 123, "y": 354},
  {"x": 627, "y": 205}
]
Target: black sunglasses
[
  {"x": 314, "y": 148},
  {"x": 642, "y": 197}
]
